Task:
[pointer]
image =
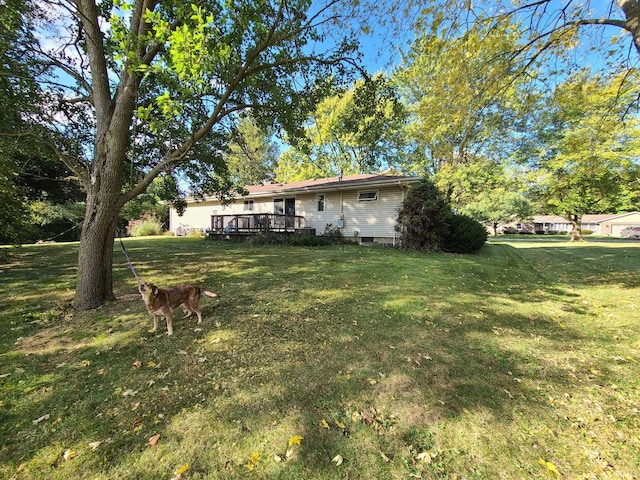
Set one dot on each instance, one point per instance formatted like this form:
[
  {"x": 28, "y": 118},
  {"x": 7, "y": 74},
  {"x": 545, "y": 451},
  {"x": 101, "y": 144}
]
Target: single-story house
[
  {"x": 610, "y": 224},
  {"x": 363, "y": 207}
]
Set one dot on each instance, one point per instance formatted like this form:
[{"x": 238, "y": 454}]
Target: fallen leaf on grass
[
  {"x": 153, "y": 440},
  {"x": 68, "y": 455},
  {"x": 340, "y": 425},
  {"x": 551, "y": 468},
  {"x": 94, "y": 445},
  {"x": 338, "y": 459},
  {"x": 253, "y": 461},
  {"x": 182, "y": 469},
  {"x": 372, "y": 381},
  {"x": 295, "y": 440},
  {"x": 137, "y": 364},
  {"x": 46, "y": 416},
  {"x": 324, "y": 424}
]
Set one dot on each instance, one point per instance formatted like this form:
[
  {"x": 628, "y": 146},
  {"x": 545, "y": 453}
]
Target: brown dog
[{"x": 163, "y": 301}]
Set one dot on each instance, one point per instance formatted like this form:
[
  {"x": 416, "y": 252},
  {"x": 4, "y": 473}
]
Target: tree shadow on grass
[{"x": 297, "y": 342}]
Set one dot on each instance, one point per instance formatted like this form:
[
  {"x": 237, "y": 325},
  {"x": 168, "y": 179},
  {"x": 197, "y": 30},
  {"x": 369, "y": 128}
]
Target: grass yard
[{"x": 333, "y": 362}]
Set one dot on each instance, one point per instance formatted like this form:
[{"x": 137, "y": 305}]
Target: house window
[
  {"x": 248, "y": 205},
  {"x": 321, "y": 203},
  {"x": 368, "y": 196}
]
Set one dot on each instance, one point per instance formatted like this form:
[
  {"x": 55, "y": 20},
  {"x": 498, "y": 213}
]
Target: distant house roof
[
  {"x": 589, "y": 218},
  {"x": 331, "y": 183}
]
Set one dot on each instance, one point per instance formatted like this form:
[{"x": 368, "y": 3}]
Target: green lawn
[{"x": 518, "y": 362}]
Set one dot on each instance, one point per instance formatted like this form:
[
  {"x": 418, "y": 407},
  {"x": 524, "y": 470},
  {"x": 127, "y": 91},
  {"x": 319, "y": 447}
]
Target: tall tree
[
  {"x": 295, "y": 165},
  {"x": 354, "y": 131},
  {"x": 486, "y": 191},
  {"x": 252, "y": 155},
  {"x": 463, "y": 94},
  {"x": 588, "y": 148},
  {"x": 157, "y": 84},
  {"x": 19, "y": 96}
]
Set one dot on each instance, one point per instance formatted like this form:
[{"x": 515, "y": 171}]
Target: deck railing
[{"x": 256, "y": 223}]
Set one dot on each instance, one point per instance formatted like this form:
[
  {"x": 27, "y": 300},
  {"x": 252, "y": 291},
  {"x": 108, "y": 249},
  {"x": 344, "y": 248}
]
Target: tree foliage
[
  {"x": 357, "y": 130},
  {"x": 463, "y": 93},
  {"x": 486, "y": 191},
  {"x": 252, "y": 155},
  {"x": 588, "y": 148}
]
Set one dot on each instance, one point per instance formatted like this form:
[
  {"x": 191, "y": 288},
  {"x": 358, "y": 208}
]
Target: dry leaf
[
  {"x": 68, "y": 454},
  {"x": 295, "y": 440},
  {"x": 551, "y": 468},
  {"x": 182, "y": 469},
  {"x": 153, "y": 440},
  {"x": 340, "y": 425},
  {"x": 42, "y": 418},
  {"x": 324, "y": 424},
  {"x": 372, "y": 381},
  {"x": 338, "y": 459},
  {"x": 94, "y": 445},
  {"x": 277, "y": 458},
  {"x": 137, "y": 364},
  {"x": 251, "y": 464}
]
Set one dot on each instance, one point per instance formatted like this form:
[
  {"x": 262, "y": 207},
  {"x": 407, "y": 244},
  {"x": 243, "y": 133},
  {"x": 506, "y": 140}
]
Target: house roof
[
  {"x": 589, "y": 218},
  {"x": 347, "y": 182},
  {"x": 331, "y": 183}
]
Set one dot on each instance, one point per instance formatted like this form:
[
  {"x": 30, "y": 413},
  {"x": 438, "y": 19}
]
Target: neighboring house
[
  {"x": 363, "y": 207},
  {"x": 603, "y": 224}
]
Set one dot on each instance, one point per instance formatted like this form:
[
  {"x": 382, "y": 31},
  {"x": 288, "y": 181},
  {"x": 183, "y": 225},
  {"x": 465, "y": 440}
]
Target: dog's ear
[{"x": 154, "y": 290}]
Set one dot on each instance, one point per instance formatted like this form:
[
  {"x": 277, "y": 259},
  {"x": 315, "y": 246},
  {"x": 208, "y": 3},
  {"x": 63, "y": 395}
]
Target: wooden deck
[{"x": 239, "y": 226}]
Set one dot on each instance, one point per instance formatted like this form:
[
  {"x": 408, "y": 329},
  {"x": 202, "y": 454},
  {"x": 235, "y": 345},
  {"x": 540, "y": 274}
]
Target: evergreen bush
[
  {"x": 466, "y": 235},
  {"x": 422, "y": 220}
]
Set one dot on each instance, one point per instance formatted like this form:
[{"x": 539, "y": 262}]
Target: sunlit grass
[{"x": 392, "y": 364}]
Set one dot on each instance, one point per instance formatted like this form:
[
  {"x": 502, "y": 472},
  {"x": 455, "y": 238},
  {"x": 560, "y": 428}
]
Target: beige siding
[
  {"x": 307, "y": 206},
  {"x": 616, "y": 225},
  {"x": 373, "y": 219},
  {"x": 198, "y": 215}
]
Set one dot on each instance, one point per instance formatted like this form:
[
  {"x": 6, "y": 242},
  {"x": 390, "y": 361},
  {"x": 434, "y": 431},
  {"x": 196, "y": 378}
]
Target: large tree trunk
[
  {"x": 95, "y": 257},
  {"x": 576, "y": 228}
]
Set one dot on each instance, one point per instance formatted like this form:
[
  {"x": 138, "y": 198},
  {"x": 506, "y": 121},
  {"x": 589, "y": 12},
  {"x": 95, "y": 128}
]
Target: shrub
[
  {"x": 422, "y": 220},
  {"x": 586, "y": 231},
  {"x": 265, "y": 239},
  {"x": 261, "y": 239},
  {"x": 145, "y": 226},
  {"x": 466, "y": 235}
]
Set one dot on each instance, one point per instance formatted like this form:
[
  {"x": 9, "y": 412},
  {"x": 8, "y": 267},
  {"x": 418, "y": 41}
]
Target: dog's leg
[
  {"x": 155, "y": 322},
  {"x": 169, "y": 318}
]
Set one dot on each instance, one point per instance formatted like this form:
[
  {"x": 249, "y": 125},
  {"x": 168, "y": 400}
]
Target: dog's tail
[{"x": 209, "y": 294}]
